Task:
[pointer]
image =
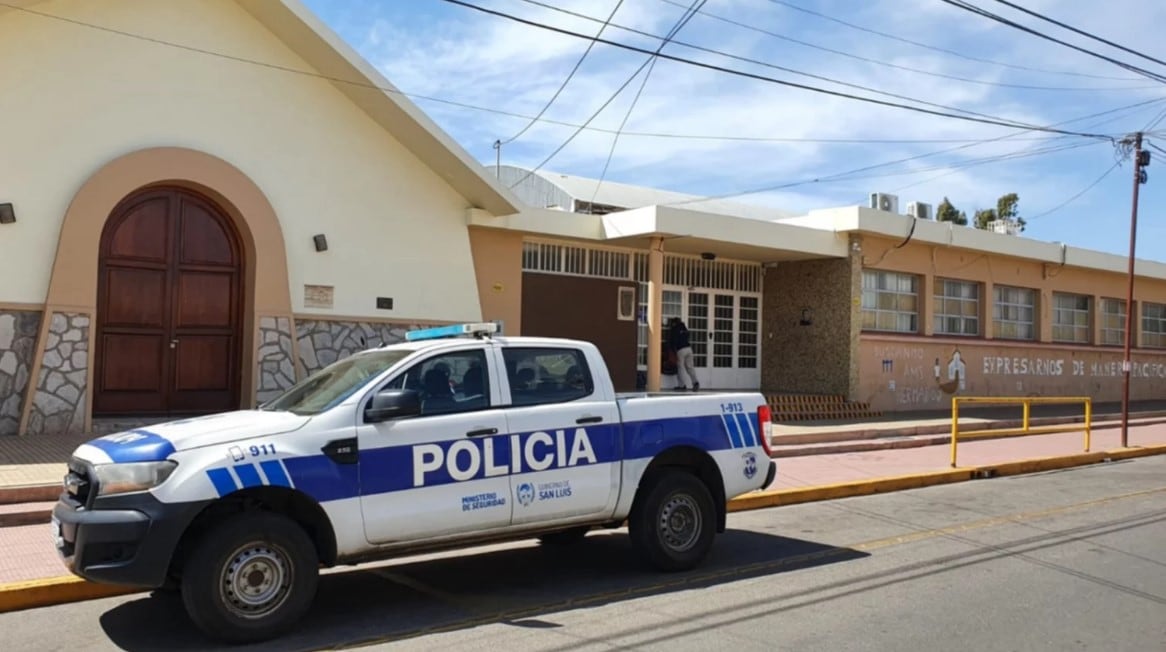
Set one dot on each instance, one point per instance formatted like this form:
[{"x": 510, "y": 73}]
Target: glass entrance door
[{"x": 723, "y": 331}]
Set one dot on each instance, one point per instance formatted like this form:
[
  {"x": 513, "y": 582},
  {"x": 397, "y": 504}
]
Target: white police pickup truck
[{"x": 453, "y": 438}]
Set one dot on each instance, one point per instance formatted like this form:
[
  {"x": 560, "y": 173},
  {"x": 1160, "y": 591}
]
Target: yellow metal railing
[{"x": 1026, "y": 428}]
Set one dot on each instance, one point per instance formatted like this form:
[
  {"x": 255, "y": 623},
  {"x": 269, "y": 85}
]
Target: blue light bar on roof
[{"x": 454, "y": 330}]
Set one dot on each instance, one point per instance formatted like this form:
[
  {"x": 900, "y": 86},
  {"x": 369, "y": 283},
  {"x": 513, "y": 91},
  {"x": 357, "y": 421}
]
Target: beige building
[{"x": 222, "y": 197}]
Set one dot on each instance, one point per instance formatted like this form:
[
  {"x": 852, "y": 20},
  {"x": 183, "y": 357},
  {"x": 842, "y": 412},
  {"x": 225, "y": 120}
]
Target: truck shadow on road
[{"x": 520, "y": 586}]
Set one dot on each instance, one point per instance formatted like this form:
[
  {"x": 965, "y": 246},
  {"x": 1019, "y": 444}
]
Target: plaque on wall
[{"x": 318, "y": 296}]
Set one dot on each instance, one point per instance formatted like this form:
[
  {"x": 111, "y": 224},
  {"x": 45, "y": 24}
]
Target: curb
[
  {"x": 62, "y": 590},
  {"x": 763, "y": 499},
  {"x": 32, "y": 517},
  {"x": 38, "y": 493},
  {"x": 55, "y": 590}
]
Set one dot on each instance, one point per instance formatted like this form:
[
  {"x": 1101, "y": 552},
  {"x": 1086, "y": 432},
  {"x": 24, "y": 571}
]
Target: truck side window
[
  {"x": 539, "y": 376},
  {"x": 449, "y": 383}
]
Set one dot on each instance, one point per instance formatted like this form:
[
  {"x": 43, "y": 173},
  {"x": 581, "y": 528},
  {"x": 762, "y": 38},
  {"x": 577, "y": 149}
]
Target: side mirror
[{"x": 393, "y": 404}]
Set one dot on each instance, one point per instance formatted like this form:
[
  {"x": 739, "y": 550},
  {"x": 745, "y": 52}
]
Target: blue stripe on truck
[{"x": 391, "y": 468}]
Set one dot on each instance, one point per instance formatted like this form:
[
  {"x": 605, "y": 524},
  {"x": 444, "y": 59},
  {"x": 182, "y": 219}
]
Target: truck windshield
[{"x": 329, "y": 386}]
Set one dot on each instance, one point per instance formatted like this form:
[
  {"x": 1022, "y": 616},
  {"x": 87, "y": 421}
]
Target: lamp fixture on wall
[
  {"x": 7, "y": 214},
  {"x": 807, "y": 317},
  {"x": 320, "y": 241}
]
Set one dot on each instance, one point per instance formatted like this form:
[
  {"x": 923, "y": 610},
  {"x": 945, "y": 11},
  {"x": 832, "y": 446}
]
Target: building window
[
  {"x": 1071, "y": 318},
  {"x": 748, "y": 338},
  {"x": 890, "y": 302},
  {"x": 1113, "y": 322},
  {"x": 1013, "y": 313},
  {"x": 1154, "y": 325},
  {"x": 957, "y": 307}
]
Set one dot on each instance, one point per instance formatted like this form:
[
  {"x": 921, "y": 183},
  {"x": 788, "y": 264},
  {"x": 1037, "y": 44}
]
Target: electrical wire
[
  {"x": 1078, "y": 195},
  {"x": 767, "y": 64},
  {"x": 650, "y": 60},
  {"x": 934, "y": 48},
  {"x": 700, "y": 64},
  {"x": 856, "y": 57},
  {"x": 1093, "y": 125},
  {"x": 689, "y": 13},
  {"x": 566, "y": 81},
  {"x": 772, "y": 188},
  {"x": 1058, "y": 23},
  {"x": 967, "y": 6}
]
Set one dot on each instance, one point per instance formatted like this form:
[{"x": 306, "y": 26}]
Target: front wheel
[
  {"x": 251, "y": 578},
  {"x": 673, "y": 525}
]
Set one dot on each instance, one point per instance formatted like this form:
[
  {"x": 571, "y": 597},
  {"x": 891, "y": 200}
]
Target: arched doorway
[{"x": 169, "y": 307}]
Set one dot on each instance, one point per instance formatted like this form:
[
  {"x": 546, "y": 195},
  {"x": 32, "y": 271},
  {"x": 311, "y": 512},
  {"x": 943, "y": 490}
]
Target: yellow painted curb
[
  {"x": 55, "y": 590},
  {"x": 763, "y": 499},
  {"x": 1040, "y": 464}
]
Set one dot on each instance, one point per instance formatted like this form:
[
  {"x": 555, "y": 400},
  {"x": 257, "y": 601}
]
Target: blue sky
[{"x": 439, "y": 50}]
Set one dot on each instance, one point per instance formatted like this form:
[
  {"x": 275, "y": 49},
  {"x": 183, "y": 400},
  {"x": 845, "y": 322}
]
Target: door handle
[
  {"x": 482, "y": 432},
  {"x": 583, "y": 420}
]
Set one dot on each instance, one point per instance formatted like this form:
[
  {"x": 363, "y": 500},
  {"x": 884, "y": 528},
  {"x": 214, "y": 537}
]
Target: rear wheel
[
  {"x": 251, "y": 578},
  {"x": 673, "y": 524}
]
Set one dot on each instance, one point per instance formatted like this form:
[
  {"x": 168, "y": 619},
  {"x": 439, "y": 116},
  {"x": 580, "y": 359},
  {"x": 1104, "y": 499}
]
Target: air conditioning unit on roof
[
  {"x": 920, "y": 210},
  {"x": 884, "y": 202}
]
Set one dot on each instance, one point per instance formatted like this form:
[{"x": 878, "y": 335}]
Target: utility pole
[{"x": 1141, "y": 160}]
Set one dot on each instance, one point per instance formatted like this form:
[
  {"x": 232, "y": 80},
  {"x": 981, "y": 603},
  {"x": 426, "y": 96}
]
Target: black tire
[
  {"x": 565, "y": 537},
  {"x": 673, "y": 522},
  {"x": 253, "y": 547}
]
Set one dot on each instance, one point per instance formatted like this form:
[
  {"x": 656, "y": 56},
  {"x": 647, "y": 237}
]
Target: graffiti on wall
[{"x": 913, "y": 383}]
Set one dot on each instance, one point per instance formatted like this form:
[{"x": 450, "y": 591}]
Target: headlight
[{"x": 136, "y": 476}]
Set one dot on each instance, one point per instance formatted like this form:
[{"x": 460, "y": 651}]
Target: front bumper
[{"x": 127, "y": 540}]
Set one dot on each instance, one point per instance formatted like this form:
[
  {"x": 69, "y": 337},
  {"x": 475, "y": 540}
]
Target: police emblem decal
[
  {"x": 525, "y": 494},
  {"x": 750, "y": 465}
]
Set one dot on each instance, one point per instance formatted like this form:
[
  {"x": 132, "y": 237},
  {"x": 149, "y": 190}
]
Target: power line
[
  {"x": 966, "y": 6},
  {"x": 781, "y": 68},
  {"x": 1078, "y": 195},
  {"x": 651, "y": 59},
  {"x": 687, "y": 16},
  {"x": 955, "y": 170},
  {"x": 1081, "y": 32},
  {"x": 856, "y": 57},
  {"x": 562, "y": 86},
  {"x": 934, "y": 48},
  {"x": 999, "y": 122},
  {"x": 772, "y": 188}
]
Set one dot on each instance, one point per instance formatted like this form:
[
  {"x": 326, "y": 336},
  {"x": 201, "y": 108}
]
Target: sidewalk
[{"x": 29, "y": 554}]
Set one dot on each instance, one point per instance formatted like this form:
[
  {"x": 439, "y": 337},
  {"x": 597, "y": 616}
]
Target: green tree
[
  {"x": 949, "y": 213},
  {"x": 984, "y": 216},
  {"x": 1007, "y": 208}
]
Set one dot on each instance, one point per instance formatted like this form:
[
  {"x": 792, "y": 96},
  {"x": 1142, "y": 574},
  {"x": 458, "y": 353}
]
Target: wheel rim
[
  {"x": 680, "y": 522},
  {"x": 256, "y": 581}
]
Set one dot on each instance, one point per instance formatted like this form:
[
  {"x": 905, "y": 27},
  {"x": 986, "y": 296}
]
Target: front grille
[{"x": 78, "y": 481}]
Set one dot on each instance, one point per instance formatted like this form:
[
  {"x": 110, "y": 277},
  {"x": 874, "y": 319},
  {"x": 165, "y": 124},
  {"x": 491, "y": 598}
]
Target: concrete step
[{"x": 18, "y": 514}]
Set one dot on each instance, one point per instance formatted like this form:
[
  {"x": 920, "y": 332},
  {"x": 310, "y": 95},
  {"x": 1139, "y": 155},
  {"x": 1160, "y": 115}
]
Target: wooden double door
[{"x": 169, "y": 308}]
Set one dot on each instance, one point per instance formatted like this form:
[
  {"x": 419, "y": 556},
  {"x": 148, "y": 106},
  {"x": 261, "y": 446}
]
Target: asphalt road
[{"x": 1070, "y": 560}]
